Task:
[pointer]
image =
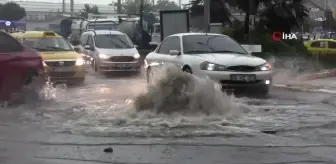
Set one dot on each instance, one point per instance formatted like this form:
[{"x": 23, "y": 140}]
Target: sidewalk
[
  {"x": 320, "y": 75},
  {"x": 319, "y": 85}
]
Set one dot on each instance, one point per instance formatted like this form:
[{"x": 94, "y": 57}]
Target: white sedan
[{"x": 217, "y": 56}]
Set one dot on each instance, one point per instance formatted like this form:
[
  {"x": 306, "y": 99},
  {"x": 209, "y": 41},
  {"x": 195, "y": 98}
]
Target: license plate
[
  {"x": 123, "y": 65},
  {"x": 246, "y": 78},
  {"x": 62, "y": 69}
]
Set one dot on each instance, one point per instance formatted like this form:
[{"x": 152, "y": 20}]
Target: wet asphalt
[{"x": 79, "y": 123}]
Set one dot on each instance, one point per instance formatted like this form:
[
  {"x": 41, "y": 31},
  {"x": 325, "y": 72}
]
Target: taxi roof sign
[
  {"x": 49, "y": 33},
  {"x": 8, "y": 23}
]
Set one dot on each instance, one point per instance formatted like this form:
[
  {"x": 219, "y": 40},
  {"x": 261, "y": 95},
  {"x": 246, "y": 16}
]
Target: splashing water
[
  {"x": 289, "y": 68},
  {"x": 185, "y": 93}
]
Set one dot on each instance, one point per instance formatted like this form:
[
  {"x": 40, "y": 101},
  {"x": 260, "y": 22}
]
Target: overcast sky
[{"x": 94, "y": 1}]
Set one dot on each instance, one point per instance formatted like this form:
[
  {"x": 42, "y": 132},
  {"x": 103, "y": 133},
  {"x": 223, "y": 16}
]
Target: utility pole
[
  {"x": 180, "y": 3},
  {"x": 72, "y": 7},
  {"x": 325, "y": 23},
  {"x": 141, "y": 13},
  {"x": 119, "y": 6},
  {"x": 63, "y": 6},
  {"x": 251, "y": 20},
  {"x": 206, "y": 15},
  {"x": 142, "y": 42}
]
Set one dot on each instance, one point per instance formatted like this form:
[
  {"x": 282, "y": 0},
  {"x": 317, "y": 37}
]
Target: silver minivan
[{"x": 110, "y": 51}]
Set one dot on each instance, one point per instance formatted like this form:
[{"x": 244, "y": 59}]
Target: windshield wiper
[
  {"x": 226, "y": 51},
  {"x": 42, "y": 49},
  {"x": 56, "y": 48},
  {"x": 195, "y": 52}
]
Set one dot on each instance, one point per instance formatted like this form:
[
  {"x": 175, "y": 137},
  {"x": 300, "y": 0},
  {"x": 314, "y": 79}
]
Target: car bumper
[
  {"x": 73, "y": 73},
  {"x": 263, "y": 79},
  {"x": 120, "y": 66}
]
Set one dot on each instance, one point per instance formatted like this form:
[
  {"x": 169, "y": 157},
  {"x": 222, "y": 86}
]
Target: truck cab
[{"x": 156, "y": 35}]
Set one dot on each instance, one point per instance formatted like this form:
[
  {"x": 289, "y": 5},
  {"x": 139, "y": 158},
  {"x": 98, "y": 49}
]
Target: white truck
[{"x": 126, "y": 25}]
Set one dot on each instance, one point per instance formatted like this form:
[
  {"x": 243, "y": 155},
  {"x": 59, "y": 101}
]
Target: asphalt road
[{"x": 74, "y": 125}]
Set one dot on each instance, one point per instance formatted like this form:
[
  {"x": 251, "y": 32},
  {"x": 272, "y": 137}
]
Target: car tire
[
  {"x": 264, "y": 91},
  {"x": 149, "y": 75},
  {"x": 95, "y": 67},
  {"x": 187, "y": 70},
  {"x": 81, "y": 81},
  {"x": 32, "y": 78}
]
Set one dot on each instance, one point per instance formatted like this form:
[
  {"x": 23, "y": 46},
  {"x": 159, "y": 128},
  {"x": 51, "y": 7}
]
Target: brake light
[
  {"x": 269, "y": 65},
  {"x": 41, "y": 66}
]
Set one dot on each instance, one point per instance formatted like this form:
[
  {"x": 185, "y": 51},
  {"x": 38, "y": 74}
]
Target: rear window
[
  {"x": 48, "y": 44},
  {"x": 8, "y": 43},
  {"x": 113, "y": 41}
]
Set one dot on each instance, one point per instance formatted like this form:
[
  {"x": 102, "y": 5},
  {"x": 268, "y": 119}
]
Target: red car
[{"x": 19, "y": 66}]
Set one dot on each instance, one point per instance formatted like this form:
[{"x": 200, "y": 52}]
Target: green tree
[
  {"x": 245, "y": 6},
  {"x": 284, "y": 15},
  {"x": 132, "y": 7},
  {"x": 89, "y": 9},
  {"x": 219, "y": 10},
  {"x": 166, "y": 5},
  {"x": 11, "y": 11}
]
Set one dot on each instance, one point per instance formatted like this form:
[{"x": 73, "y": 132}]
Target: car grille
[
  {"x": 241, "y": 68},
  {"x": 61, "y": 74},
  {"x": 122, "y": 58},
  {"x": 239, "y": 82},
  {"x": 60, "y": 64}
]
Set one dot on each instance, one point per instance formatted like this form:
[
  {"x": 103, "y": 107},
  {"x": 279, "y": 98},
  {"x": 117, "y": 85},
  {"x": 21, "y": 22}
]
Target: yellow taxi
[
  {"x": 321, "y": 46},
  {"x": 61, "y": 62}
]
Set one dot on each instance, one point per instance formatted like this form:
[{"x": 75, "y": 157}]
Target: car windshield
[
  {"x": 194, "y": 44},
  {"x": 48, "y": 44},
  {"x": 113, "y": 41},
  {"x": 102, "y": 26}
]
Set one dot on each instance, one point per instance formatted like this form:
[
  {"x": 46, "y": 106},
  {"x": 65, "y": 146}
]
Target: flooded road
[{"x": 75, "y": 124}]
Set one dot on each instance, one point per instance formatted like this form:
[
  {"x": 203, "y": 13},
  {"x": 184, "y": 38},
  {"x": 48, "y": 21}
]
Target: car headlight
[
  {"x": 44, "y": 64},
  {"x": 212, "y": 67},
  {"x": 265, "y": 67},
  {"x": 80, "y": 61},
  {"x": 103, "y": 56},
  {"x": 136, "y": 56}
]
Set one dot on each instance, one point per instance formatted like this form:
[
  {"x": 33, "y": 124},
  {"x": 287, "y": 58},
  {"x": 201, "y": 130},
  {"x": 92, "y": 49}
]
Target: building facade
[{"x": 41, "y": 11}]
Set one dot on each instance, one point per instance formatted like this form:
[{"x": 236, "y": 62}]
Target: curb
[
  {"x": 293, "y": 88},
  {"x": 321, "y": 75}
]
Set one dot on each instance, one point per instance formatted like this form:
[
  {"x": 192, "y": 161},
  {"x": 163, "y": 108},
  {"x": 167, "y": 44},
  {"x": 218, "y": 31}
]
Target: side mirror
[
  {"x": 77, "y": 49},
  {"x": 174, "y": 52},
  {"x": 87, "y": 47},
  {"x": 153, "y": 45},
  {"x": 136, "y": 46},
  {"x": 249, "y": 52}
]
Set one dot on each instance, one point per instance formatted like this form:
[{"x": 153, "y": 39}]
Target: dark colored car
[{"x": 19, "y": 66}]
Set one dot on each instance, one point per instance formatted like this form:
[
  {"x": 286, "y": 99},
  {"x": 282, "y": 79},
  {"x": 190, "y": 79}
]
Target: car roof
[
  {"x": 103, "y": 20},
  {"x": 35, "y": 34},
  {"x": 195, "y": 33},
  {"x": 102, "y": 32}
]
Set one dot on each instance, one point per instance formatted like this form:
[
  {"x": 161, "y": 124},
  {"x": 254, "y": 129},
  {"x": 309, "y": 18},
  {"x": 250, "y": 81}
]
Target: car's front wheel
[
  {"x": 264, "y": 91},
  {"x": 149, "y": 75},
  {"x": 95, "y": 66}
]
